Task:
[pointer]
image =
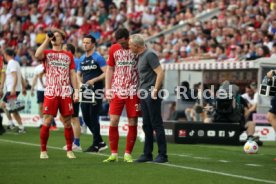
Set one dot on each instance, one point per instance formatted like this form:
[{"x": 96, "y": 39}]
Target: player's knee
[
  {"x": 48, "y": 121},
  {"x": 270, "y": 117},
  {"x": 132, "y": 121},
  {"x": 114, "y": 120}
]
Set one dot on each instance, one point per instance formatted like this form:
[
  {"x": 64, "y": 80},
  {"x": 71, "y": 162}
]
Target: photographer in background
[{"x": 271, "y": 115}]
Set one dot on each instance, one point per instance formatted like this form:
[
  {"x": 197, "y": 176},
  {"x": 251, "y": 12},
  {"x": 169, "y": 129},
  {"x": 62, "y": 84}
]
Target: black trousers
[
  {"x": 152, "y": 121},
  {"x": 90, "y": 113}
]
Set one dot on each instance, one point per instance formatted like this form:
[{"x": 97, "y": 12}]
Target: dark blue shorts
[
  {"x": 40, "y": 96},
  {"x": 5, "y": 99},
  {"x": 273, "y": 105},
  {"x": 76, "y": 107}
]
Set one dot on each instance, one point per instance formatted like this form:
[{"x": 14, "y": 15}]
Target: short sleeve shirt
[
  {"x": 57, "y": 66},
  {"x": 125, "y": 80}
]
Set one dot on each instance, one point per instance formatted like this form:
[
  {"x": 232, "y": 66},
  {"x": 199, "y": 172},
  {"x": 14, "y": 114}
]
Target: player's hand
[
  {"x": 13, "y": 93},
  {"x": 154, "y": 94},
  {"x": 32, "y": 92},
  {"x": 269, "y": 74},
  {"x": 24, "y": 92},
  {"x": 76, "y": 96},
  {"x": 108, "y": 94},
  {"x": 90, "y": 82}
]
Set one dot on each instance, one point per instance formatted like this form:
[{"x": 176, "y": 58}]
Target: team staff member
[
  {"x": 151, "y": 76},
  {"x": 60, "y": 71},
  {"x": 91, "y": 71}
]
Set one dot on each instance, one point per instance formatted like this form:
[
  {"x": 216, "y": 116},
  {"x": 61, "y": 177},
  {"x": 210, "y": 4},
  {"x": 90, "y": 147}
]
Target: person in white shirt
[
  {"x": 13, "y": 83},
  {"x": 251, "y": 96}
]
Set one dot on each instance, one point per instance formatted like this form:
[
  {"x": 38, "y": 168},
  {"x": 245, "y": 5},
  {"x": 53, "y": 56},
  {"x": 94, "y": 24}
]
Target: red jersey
[
  {"x": 57, "y": 66},
  {"x": 125, "y": 80}
]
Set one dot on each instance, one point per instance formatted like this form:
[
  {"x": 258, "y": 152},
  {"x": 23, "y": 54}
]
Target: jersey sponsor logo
[
  {"x": 58, "y": 59},
  {"x": 91, "y": 67},
  {"x": 126, "y": 63}
]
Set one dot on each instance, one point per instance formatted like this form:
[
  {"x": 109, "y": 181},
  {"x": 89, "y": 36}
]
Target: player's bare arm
[
  {"x": 74, "y": 82},
  {"x": 3, "y": 78},
  {"x": 160, "y": 76},
  {"x": 79, "y": 77},
  {"x": 24, "y": 85},
  {"x": 108, "y": 78},
  {"x": 33, "y": 84},
  {"x": 13, "y": 91}
]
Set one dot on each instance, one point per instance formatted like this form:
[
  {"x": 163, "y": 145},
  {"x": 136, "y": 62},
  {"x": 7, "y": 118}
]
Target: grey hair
[{"x": 137, "y": 39}]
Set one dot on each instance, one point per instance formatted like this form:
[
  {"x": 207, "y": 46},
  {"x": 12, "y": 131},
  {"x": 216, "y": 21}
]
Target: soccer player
[
  {"x": 39, "y": 81},
  {"x": 121, "y": 84},
  {"x": 60, "y": 70},
  {"x": 76, "y": 106},
  {"x": 151, "y": 78},
  {"x": 14, "y": 84},
  {"x": 91, "y": 71}
]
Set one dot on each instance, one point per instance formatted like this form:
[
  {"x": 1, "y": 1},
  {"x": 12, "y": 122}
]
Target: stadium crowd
[{"x": 243, "y": 30}]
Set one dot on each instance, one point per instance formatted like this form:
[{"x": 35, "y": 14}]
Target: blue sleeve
[
  {"x": 80, "y": 60},
  {"x": 101, "y": 61}
]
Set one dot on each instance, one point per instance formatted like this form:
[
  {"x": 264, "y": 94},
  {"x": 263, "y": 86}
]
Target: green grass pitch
[{"x": 189, "y": 164}]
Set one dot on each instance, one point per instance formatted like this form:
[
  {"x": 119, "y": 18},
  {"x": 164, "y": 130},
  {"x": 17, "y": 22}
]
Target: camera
[
  {"x": 51, "y": 35},
  {"x": 87, "y": 94},
  {"x": 268, "y": 86}
]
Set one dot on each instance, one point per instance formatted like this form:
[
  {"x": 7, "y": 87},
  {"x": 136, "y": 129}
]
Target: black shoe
[
  {"x": 161, "y": 159},
  {"x": 2, "y": 131},
  {"x": 11, "y": 127},
  {"x": 259, "y": 142},
  {"x": 102, "y": 146},
  {"x": 253, "y": 138},
  {"x": 21, "y": 131},
  {"x": 144, "y": 158},
  {"x": 92, "y": 149}
]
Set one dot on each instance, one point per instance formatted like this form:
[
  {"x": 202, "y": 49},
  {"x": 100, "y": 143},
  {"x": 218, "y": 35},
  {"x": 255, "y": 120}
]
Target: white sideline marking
[
  {"x": 181, "y": 155},
  {"x": 190, "y": 156},
  {"x": 201, "y": 158},
  {"x": 220, "y": 173},
  {"x": 224, "y": 161},
  {"x": 254, "y": 165},
  {"x": 165, "y": 164}
]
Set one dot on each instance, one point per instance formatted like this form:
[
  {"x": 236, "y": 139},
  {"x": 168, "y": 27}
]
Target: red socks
[
  {"x": 131, "y": 138},
  {"x": 44, "y": 135},
  {"x": 113, "y": 139},
  {"x": 69, "y": 137}
]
